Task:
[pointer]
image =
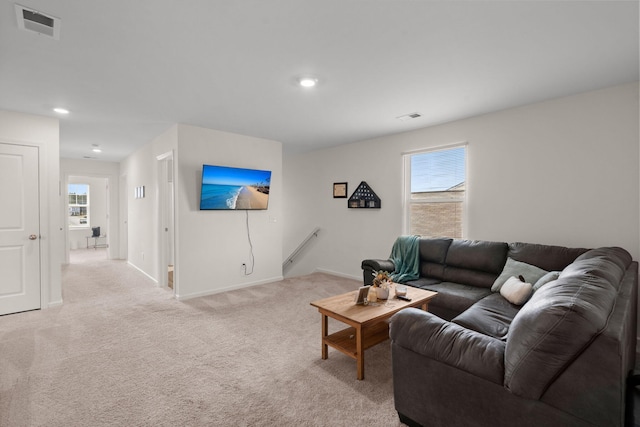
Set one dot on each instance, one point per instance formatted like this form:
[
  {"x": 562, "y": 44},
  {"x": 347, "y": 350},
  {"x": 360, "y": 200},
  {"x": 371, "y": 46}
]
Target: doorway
[
  {"x": 124, "y": 218},
  {"x": 87, "y": 218},
  {"x": 166, "y": 212}
]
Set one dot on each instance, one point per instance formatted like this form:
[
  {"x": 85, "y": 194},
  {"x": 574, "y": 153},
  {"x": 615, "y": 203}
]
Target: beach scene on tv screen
[{"x": 234, "y": 188}]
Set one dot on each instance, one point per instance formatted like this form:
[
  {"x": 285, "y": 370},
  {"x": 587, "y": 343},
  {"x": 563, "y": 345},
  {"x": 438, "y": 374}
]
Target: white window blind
[{"x": 435, "y": 192}]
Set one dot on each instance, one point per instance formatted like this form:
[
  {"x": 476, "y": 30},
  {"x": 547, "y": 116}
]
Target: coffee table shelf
[{"x": 345, "y": 340}]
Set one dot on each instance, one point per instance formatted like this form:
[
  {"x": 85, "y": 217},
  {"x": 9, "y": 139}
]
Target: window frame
[
  {"x": 406, "y": 185},
  {"x": 71, "y": 205}
]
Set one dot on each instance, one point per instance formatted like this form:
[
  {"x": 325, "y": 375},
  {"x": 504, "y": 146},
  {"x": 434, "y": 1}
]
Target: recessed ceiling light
[
  {"x": 61, "y": 110},
  {"x": 308, "y": 81},
  {"x": 96, "y": 148}
]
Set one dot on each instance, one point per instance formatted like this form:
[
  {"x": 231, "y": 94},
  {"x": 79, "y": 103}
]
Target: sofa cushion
[
  {"x": 433, "y": 252},
  {"x": 455, "y": 296},
  {"x": 474, "y": 262},
  {"x": 549, "y": 277},
  {"x": 423, "y": 282},
  {"x": 607, "y": 263},
  {"x": 531, "y": 273},
  {"x": 598, "y": 267},
  {"x": 516, "y": 291},
  {"x": 432, "y": 270},
  {"x": 448, "y": 343},
  {"x": 475, "y": 278},
  {"x": 552, "y": 329},
  {"x": 617, "y": 255},
  {"x": 491, "y": 316},
  {"x": 547, "y": 257}
]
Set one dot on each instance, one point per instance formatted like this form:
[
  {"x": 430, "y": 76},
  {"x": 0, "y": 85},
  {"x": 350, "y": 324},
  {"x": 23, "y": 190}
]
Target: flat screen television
[{"x": 227, "y": 188}]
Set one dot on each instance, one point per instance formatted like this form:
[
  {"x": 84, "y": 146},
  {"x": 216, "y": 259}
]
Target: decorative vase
[{"x": 383, "y": 293}]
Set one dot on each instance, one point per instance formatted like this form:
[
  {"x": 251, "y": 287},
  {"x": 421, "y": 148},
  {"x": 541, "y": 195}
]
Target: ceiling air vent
[
  {"x": 409, "y": 116},
  {"x": 33, "y": 20}
]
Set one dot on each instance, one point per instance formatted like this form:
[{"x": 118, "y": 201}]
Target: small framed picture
[
  {"x": 361, "y": 295},
  {"x": 339, "y": 190}
]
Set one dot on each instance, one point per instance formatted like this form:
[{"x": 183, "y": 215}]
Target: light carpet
[{"x": 121, "y": 351}]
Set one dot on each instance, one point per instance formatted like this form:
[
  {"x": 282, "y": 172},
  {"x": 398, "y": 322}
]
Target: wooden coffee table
[{"x": 368, "y": 323}]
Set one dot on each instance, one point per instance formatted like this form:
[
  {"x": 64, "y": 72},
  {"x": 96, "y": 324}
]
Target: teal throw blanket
[{"x": 405, "y": 255}]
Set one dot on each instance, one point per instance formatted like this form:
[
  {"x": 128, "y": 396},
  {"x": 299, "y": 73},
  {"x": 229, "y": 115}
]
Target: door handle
[{"x": 32, "y": 237}]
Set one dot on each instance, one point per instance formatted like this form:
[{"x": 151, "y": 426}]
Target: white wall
[
  {"x": 212, "y": 245},
  {"x": 563, "y": 172},
  {"x": 141, "y": 169},
  {"x": 106, "y": 212},
  {"x": 43, "y": 132}
]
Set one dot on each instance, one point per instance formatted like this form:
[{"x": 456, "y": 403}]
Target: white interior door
[{"x": 19, "y": 229}]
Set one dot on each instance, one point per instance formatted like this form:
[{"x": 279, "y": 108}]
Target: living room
[
  {"x": 542, "y": 153},
  {"x": 560, "y": 170}
]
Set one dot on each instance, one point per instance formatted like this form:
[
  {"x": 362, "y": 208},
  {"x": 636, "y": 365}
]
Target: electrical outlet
[{"x": 243, "y": 268}]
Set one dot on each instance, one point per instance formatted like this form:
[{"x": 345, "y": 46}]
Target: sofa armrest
[
  {"x": 371, "y": 265},
  {"x": 449, "y": 343}
]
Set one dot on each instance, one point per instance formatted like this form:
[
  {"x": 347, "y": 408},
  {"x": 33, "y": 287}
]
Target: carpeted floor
[{"x": 122, "y": 352}]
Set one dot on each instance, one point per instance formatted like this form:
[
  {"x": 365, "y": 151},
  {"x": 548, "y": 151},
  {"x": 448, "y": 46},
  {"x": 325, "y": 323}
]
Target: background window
[
  {"x": 79, "y": 206},
  {"x": 435, "y": 192}
]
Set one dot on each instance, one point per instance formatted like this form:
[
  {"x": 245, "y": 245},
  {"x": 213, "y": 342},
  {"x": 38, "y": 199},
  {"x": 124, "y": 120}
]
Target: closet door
[{"x": 19, "y": 229}]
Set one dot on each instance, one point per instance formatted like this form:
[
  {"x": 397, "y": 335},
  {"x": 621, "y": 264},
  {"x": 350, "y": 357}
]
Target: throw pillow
[
  {"x": 515, "y": 291},
  {"x": 549, "y": 277},
  {"x": 531, "y": 273}
]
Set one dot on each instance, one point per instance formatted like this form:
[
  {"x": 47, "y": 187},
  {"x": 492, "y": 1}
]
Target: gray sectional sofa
[{"x": 559, "y": 357}]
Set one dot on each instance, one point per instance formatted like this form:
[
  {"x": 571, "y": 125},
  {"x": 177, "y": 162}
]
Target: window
[
  {"x": 79, "y": 206},
  {"x": 435, "y": 192}
]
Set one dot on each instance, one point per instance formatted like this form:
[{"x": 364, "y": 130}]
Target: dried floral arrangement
[{"x": 381, "y": 279}]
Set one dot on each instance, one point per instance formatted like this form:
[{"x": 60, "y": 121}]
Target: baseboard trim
[
  {"x": 184, "y": 297},
  {"x": 143, "y": 272},
  {"x": 52, "y": 304},
  {"x": 335, "y": 273}
]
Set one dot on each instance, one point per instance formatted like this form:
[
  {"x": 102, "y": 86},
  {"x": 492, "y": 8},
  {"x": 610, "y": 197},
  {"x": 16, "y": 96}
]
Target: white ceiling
[{"x": 128, "y": 70}]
